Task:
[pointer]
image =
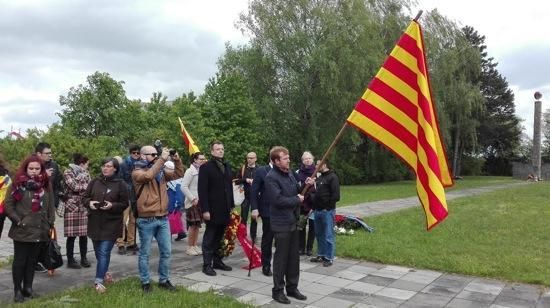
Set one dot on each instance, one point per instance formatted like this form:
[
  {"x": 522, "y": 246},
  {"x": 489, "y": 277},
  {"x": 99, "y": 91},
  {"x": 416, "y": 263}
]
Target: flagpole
[
  {"x": 327, "y": 153},
  {"x": 418, "y": 15}
]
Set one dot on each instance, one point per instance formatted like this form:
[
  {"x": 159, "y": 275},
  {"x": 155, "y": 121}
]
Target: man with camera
[{"x": 152, "y": 208}]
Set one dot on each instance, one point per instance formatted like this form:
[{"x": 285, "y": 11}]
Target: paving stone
[
  {"x": 304, "y": 266},
  {"x": 233, "y": 292},
  {"x": 388, "y": 273},
  {"x": 521, "y": 291},
  {"x": 331, "y": 302},
  {"x": 203, "y": 287},
  {"x": 453, "y": 281},
  {"x": 371, "y": 264},
  {"x": 407, "y": 285},
  {"x": 330, "y": 270},
  {"x": 321, "y": 289},
  {"x": 181, "y": 281},
  {"x": 248, "y": 285},
  {"x": 419, "y": 277},
  {"x": 423, "y": 300},
  {"x": 514, "y": 302},
  {"x": 311, "y": 297},
  {"x": 293, "y": 304},
  {"x": 219, "y": 279},
  {"x": 255, "y": 299},
  {"x": 350, "y": 295},
  {"x": 441, "y": 290},
  {"x": 485, "y": 286},
  {"x": 476, "y": 296},
  {"x": 351, "y": 275},
  {"x": 464, "y": 303},
  {"x": 377, "y": 280},
  {"x": 361, "y": 269},
  {"x": 364, "y": 287},
  {"x": 396, "y": 293},
  {"x": 334, "y": 281},
  {"x": 265, "y": 290},
  {"x": 307, "y": 276},
  {"x": 381, "y": 301}
]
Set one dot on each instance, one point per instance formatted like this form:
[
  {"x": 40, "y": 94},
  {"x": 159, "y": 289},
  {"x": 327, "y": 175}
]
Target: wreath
[{"x": 228, "y": 241}]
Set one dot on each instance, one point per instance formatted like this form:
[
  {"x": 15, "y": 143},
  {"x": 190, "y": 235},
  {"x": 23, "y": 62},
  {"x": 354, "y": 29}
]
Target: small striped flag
[
  {"x": 397, "y": 110},
  {"x": 191, "y": 146}
]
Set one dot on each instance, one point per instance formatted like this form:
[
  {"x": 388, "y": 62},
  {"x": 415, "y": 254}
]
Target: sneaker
[
  {"x": 198, "y": 249},
  {"x": 108, "y": 278},
  {"x": 167, "y": 285},
  {"x": 191, "y": 251},
  {"x": 146, "y": 287},
  {"x": 181, "y": 236},
  {"x": 121, "y": 250},
  {"x": 317, "y": 259},
  {"x": 100, "y": 288},
  {"x": 327, "y": 263},
  {"x": 40, "y": 268}
]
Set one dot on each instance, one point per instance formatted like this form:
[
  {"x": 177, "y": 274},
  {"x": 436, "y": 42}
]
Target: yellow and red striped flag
[
  {"x": 191, "y": 146},
  {"x": 398, "y": 111}
]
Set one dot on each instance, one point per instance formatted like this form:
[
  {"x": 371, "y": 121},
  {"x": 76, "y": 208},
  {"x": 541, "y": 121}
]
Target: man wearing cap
[{"x": 152, "y": 208}]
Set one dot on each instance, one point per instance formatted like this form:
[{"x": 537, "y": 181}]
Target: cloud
[{"x": 526, "y": 67}]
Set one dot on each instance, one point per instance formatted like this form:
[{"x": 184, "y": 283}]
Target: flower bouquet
[
  {"x": 228, "y": 241},
  {"x": 345, "y": 224}
]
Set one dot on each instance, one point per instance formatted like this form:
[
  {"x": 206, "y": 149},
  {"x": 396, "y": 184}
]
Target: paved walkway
[{"x": 348, "y": 283}]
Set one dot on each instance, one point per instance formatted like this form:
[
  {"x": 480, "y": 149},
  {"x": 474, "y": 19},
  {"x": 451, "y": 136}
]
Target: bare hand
[
  {"x": 206, "y": 216},
  {"x": 254, "y": 214},
  {"x": 92, "y": 205},
  {"x": 49, "y": 171},
  {"x": 194, "y": 202},
  {"x": 165, "y": 154},
  {"x": 249, "y": 181},
  {"x": 301, "y": 197},
  {"x": 310, "y": 181},
  {"x": 108, "y": 206}
]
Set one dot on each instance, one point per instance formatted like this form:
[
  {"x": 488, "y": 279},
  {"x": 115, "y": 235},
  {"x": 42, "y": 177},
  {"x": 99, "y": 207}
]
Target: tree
[{"x": 94, "y": 109}]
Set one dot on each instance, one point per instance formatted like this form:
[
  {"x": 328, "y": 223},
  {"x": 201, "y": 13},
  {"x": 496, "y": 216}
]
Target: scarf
[
  {"x": 304, "y": 172},
  {"x": 219, "y": 163},
  {"x": 196, "y": 165},
  {"x": 35, "y": 184}
]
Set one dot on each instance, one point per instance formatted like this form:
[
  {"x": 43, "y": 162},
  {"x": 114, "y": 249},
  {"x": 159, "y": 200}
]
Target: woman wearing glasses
[{"x": 106, "y": 198}]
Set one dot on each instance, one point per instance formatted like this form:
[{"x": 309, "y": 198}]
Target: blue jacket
[
  {"x": 258, "y": 200},
  {"x": 282, "y": 189},
  {"x": 175, "y": 197}
]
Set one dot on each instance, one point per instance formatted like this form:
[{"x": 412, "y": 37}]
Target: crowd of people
[{"x": 144, "y": 195}]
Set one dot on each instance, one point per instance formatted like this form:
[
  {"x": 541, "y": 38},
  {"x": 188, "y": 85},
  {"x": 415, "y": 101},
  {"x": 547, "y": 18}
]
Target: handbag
[
  {"x": 176, "y": 225},
  {"x": 53, "y": 259}
]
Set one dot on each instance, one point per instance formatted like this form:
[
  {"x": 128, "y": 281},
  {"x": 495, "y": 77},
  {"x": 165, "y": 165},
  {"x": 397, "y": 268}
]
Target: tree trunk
[{"x": 456, "y": 152}]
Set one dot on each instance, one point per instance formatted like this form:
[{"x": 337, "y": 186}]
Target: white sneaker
[
  {"x": 191, "y": 251},
  {"x": 198, "y": 249}
]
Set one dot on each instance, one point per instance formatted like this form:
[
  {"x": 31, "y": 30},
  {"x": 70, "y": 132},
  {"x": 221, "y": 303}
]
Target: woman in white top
[{"x": 192, "y": 208}]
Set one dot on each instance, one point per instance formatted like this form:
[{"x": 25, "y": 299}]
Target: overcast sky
[{"x": 172, "y": 46}]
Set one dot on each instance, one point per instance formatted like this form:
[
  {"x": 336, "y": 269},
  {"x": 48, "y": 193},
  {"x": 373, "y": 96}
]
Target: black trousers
[
  {"x": 211, "y": 243},
  {"x": 307, "y": 246},
  {"x": 25, "y": 255},
  {"x": 286, "y": 262},
  {"x": 267, "y": 242},
  {"x": 245, "y": 209},
  {"x": 82, "y": 243}
]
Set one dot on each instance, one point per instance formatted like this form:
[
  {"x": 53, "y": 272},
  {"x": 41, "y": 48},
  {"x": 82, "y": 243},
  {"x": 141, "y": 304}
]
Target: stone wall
[{"x": 521, "y": 171}]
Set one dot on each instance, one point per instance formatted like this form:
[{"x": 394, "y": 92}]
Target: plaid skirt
[
  {"x": 193, "y": 216},
  {"x": 76, "y": 223}
]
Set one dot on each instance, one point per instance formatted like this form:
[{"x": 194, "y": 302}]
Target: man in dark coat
[
  {"x": 283, "y": 192},
  {"x": 215, "y": 190},
  {"x": 260, "y": 206}
]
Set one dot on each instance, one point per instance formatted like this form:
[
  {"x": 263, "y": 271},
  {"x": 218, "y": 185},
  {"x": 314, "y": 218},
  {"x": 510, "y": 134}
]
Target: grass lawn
[
  {"x": 503, "y": 234},
  {"x": 127, "y": 293},
  {"x": 354, "y": 194}
]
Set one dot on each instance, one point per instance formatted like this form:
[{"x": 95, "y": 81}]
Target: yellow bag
[{"x": 5, "y": 182}]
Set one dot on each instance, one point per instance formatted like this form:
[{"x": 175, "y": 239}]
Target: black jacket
[
  {"x": 216, "y": 192},
  {"x": 258, "y": 199},
  {"x": 327, "y": 191},
  {"x": 55, "y": 181},
  {"x": 246, "y": 172},
  {"x": 282, "y": 189}
]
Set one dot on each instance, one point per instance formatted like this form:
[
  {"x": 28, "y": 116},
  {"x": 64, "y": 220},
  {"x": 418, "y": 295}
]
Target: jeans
[
  {"x": 158, "y": 228},
  {"x": 324, "y": 231},
  {"x": 103, "y": 256}
]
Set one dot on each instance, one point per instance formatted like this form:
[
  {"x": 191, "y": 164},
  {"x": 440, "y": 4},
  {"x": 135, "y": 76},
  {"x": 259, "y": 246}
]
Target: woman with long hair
[
  {"x": 30, "y": 207},
  {"x": 106, "y": 199},
  {"x": 5, "y": 182},
  {"x": 192, "y": 208},
  {"x": 76, "y": 179}
]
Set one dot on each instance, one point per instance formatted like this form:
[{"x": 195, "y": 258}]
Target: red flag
[
  {"x": 253, "y": 254},
  {"x": 191, "y": 146},
  {"x": 397, "y": 110}
]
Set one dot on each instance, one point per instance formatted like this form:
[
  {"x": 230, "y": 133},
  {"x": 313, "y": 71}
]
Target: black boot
[
  {"x": 28, "y": 292},
  {"x": 84, "y": 262},
  {"x": 71, "y": 263},
  {"x": 18, "y": 297}
]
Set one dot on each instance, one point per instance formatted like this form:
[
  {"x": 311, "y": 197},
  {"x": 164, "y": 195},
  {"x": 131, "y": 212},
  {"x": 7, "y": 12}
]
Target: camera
[
  {"x": 101, "y": 204},
  {"x": 172, "y": 152}
]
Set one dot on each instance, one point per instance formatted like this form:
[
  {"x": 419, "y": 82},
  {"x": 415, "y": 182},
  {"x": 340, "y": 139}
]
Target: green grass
[
  {"x": 355, "y": 194},
  {"x": 503, "y": 234},
  {"x": 7, "y": 262},
  {"x": 127, "y": 293}
]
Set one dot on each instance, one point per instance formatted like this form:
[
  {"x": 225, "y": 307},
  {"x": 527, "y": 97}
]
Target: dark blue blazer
[{"x": 258, "y": 199}]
